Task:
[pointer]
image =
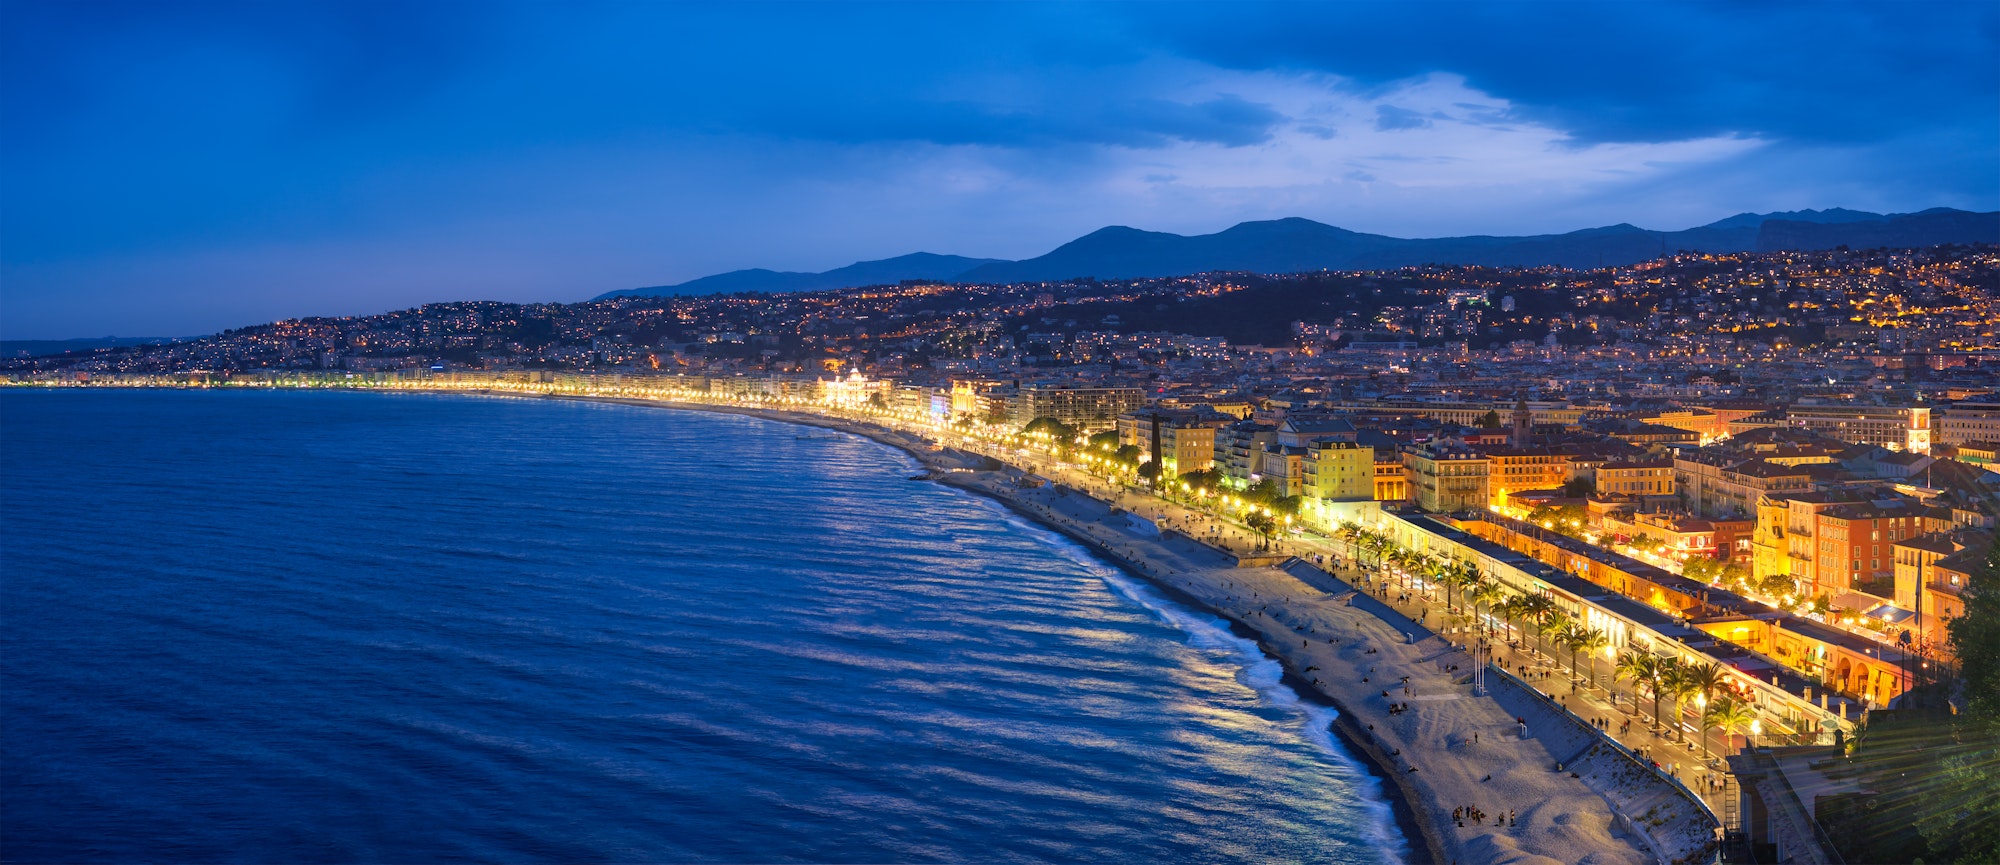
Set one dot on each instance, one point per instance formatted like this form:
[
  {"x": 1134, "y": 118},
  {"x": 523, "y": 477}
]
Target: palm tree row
[
  {"x": 1665, "y": 679},
  {"x": 1670, "y": 678}
]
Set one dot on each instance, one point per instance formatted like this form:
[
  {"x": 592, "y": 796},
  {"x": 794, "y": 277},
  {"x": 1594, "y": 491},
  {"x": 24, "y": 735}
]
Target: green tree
[
  {"x": 1680, "y": 685},
  {"x": 1056, "y": 430},
  {"x": 1150, "y": 471},
  {"x": 1127, "y": 454},
  {"x": 1726, "y": 715},
  {"x": 1975, "y": 636},
  {"x": 1263, "y": 524},
  {"x": 1490, "y": 420},
  {"x": 1105, "y": 441},
  {"x": 1638, "y": 667},
  {"x": 1202, "y": 479}
]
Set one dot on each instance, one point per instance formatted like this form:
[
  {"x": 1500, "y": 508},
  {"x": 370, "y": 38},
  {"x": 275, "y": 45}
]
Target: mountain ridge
[{"x": 1294, "y": 244}]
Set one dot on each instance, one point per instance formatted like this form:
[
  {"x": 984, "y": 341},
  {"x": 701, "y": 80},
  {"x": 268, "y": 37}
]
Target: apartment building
[
  {"x": 1445, "y": 477},
  {"x": 1513, "y": 470},
  {"x": 1090, "y": 409},
  {"x": 1899, "y": 429},
  {"x": 1636, "y": 478}
]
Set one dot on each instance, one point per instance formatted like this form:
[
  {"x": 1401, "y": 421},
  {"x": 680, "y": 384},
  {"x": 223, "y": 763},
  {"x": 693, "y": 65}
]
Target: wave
[{"x": 1313, "y": 721}]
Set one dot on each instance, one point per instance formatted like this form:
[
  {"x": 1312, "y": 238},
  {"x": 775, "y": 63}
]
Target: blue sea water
[{"x": 334, "y": 627}]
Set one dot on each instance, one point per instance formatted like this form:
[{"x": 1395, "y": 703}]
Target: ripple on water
[{"x": 340, "y": 626}]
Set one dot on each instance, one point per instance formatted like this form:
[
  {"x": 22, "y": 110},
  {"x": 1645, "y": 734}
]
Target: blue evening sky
[{"x": 177, "y": 168}]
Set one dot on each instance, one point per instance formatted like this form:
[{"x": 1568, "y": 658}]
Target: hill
[{"x": 1295, "y": 245}]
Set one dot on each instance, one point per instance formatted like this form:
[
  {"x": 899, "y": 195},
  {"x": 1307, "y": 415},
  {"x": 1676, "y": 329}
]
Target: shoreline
[
  {"x": 1425, "y": 845},
  {"x": 1590, "y": 808}
]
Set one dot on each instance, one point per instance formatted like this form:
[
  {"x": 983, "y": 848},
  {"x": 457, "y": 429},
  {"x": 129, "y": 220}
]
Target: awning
[{"x": 1890, "y": 613}]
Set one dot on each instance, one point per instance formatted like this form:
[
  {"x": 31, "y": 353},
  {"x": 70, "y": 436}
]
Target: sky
[{"x": 173, "y": 168}]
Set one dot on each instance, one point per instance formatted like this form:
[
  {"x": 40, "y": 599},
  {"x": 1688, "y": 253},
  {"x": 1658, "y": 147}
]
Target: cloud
[
  {"x": 1389, "y": 118},
  {"x": 168, "y": 159}
]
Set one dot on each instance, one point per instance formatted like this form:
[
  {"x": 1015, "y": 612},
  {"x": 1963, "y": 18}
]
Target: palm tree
[
  {"x": 1706, "y": 678},
  {"x": 1513, "y": 609},
  {"x": 1570, "y": 637},
  {"x": 1681, "y": 686},
  {"x": 1536, "y": 609},
  {"x": 1552, "y": 623},
  {"x": 1588, "y": 640},
  {"x": 1454, "y": 576},
  {"x": 1665, "y": 669},
  {"x": 1640, "y": 667},
  {"x": 1728, "y": 716},
  {"x": 1481, "y": 594}
]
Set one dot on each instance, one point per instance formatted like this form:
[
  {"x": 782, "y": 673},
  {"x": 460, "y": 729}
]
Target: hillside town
[
  {"x": 1815, "y": 431},
  {"x": 1773, "y": 476}
]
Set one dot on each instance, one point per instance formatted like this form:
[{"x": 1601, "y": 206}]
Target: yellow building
[
  {"x": 1637, "y": 478},
  {"x": 1340, "y": 471},
  {"x": 1446, "y": 478},
  {"x": 1392, "y": 479},
  {"x": 1513, "y": 470}
]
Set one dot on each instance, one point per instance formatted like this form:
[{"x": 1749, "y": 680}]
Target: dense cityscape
[{"x": 1756, "y": 487}]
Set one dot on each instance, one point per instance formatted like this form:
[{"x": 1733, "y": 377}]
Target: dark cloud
[
  {"x": 136, "y": 133},
  {"x": 1823, "y": 72}
]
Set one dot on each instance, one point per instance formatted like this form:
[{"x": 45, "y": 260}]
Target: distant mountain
[
  {"x": 1294, "y": 245},
  {"x": 917, "y": 265},
  {"x": 1925, "y": 228},
  {"x": 1829, "y": 215},
  {"x": 44, "y": 347}
]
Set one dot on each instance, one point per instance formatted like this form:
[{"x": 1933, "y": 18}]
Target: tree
[
  {"x": 1263, "y": 524},
  {"x": 1149, "y": 471},
  {"x": 1127, "y": 454},
  {"x": 1106, "y": 441},
  {"x": 1975, "y": 636},
  {"x": 1056, "y": 430},
  {"x": 1482, "y": 594},
  {"x": 1681, "y": 686},
  {"x": 875, "y": 401},
  {"x": 1777, "y": 585},
  {"x": 1202, "y": 479},
  {"x": 1587, "y": 641},
  {"x": 1706, "y": 678},
  {"x": 1552, "y": 625},
  {"x": 1727, "y": 715},
  {"x": 1490, "y": 420},
  {"x": 1639, "y": 667}
]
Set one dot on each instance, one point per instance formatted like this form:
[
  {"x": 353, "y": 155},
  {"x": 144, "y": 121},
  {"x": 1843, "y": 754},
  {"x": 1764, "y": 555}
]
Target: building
[
  {"x": 1340, "y": 471},
  {"x": 1969, "y": 421},
  {"x": 1470, "y": 413},
  {"x": 1636, "y": 478},
  {"x": 1088, "y": 409},
  {"x": 1898, "y": 429},
  {"x": 1392, "y": 478},
  {"x": 1718, "y": 484},
  {"x": 1186, "y": 436},
  {"x": 1239, "y": 451},
  {"x": 1848, "y": 548},
  {"x": 1706, "y": 425},
  {"x": 1445, "y": 477},
  {"x": 1516, "y": 469}
]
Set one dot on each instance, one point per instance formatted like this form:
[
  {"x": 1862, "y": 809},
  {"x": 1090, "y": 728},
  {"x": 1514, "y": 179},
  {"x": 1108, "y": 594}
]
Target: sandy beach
[{"x": 1474, "y": 778}]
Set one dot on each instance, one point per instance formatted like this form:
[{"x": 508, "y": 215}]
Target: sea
[{"x": 339, "y": 626}]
